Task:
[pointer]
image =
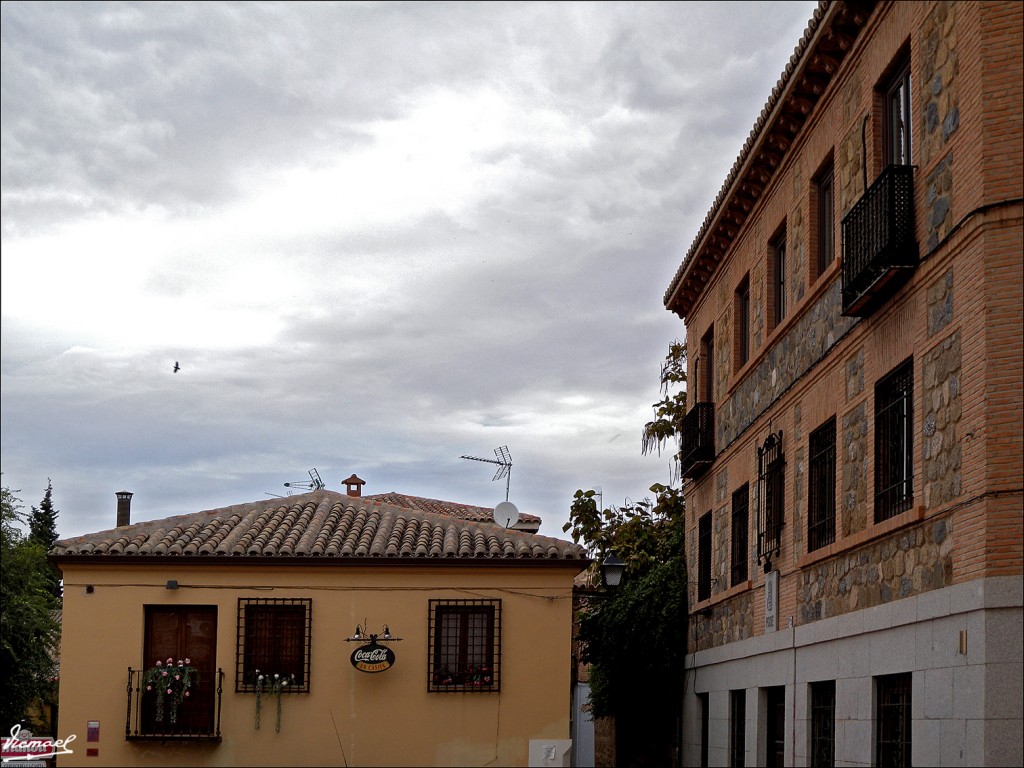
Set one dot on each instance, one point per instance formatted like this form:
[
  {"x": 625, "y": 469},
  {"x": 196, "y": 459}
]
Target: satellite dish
[{"x": 506, "y": 514}]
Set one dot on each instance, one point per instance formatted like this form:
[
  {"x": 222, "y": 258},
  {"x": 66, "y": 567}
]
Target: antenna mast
[{"x": 504, "y": 462}]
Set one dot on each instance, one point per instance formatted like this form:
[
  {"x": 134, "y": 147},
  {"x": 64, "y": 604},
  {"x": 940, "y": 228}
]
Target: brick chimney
[
  {"x": 124, "y": 508},
  {"x": 354, "y": 486}
]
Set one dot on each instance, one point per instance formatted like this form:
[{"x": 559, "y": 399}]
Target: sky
[{"x": 376, "y": 237}]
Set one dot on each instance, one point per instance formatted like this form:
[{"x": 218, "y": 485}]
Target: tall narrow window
[
  {"x": 894, "y": 454},
  {"x": 775, "y": 726},
  {"x": 740, "y": 521},
  {"x": 771, "y": 465},
  {"x": 896, "y": 117},
  {"x": 704, "y": 557},
  {"x": 825, "y": 204},
  {"x": 821, "y": 482},
  {"x": 706, "y": 381},
  {"x": 742, "y": 312},
  {"x": 823, "y": 724},
  {"x": 705, "y": 727},
  {"x": 737, "y": 728},
  {"x": 892, "y": 721},
  {"x": 777, "y": 261}
]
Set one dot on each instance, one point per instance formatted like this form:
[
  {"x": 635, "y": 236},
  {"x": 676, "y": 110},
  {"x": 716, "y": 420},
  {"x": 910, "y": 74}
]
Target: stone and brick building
[{"x": 853, "y": 447}]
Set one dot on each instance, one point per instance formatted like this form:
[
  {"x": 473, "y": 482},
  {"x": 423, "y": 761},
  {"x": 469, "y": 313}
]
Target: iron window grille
[
  {"x": 892, "y": 721},
  {"x": 894, "y": 449},
  {"x": 743, "y": 322},
  {"x": 777, "y": 249},
  {"x": 740, "y": 545},
  {"x": 771, "y": 465},
  {"x": 704, "y": 557},
  {"x": 273, "y": 638},
  {"x": 737, "y": 728},
  {"x": 823, "y": 724},
  {"x": 821, "y": 481},
  {"x": 465, "y": 646}
]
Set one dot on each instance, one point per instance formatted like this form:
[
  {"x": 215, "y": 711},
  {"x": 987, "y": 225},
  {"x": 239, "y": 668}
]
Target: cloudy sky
[{"x": 376, "y": 236}]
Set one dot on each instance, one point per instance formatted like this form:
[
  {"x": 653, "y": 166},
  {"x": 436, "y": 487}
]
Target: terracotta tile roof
[
  {"x": 464, "y": 511},
  {"x": 321, "y": 524}
]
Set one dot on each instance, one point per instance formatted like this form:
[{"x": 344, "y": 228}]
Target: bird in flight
[{"x": 176, "y": 366}]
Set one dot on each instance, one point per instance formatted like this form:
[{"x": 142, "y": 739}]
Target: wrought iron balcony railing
[
  {"x": 697, "y": 446},
  {"x": 879, "y": 250},
  {"x": 196, "y": 718}
]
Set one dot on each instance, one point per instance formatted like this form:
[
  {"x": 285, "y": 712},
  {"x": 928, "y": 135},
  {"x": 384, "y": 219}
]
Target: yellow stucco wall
[{"x": 348, "y": 717}]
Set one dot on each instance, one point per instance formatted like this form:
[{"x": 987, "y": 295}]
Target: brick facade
[{"x": 958, "y": 318}]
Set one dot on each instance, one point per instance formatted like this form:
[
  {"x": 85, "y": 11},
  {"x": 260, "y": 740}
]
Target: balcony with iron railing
[
  {"x": 196, "y": 718},
  {"x": 697, "y": 443},
  {"x": 879, "y": 250}
]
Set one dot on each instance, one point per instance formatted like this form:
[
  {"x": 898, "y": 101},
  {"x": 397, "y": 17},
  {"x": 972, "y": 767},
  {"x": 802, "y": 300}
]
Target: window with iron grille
[
  {"x": 705, "y": 727},
  {"x": 824, "y": 198},
  {"x": 823, "y": 724},
  {"x": 737, "y": 728},
  {"x": 273, "y": 639},
  {"x": 465, "y": 646},
  {"x": 704, "y": 557},
  {"x": 894, "y": 450},
  {"x": 821, "y": 491},
  {"x": 740, "y": 522},
  {"x": 892, "y": 720},
  {"x": 771, "y": 465}
]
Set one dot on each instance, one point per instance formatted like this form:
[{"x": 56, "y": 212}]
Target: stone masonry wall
[
  {"x": 916, "y": 560},
  {"x": 942, "y": 410}
]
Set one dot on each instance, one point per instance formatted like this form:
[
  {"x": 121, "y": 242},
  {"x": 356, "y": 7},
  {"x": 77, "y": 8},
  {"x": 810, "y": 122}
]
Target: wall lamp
[
  {"x": 361, "y": 636},
  {"x": 172, "y": 583}
]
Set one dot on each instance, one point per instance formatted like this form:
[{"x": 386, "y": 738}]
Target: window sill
[
  {"x": 704, "y": 605},
  {"x": 874, "y": 531}
]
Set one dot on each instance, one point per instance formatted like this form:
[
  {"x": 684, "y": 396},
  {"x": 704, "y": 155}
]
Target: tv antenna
[
  {"x": 314, "y": 483},
  {"x": 504, "y": 462}
]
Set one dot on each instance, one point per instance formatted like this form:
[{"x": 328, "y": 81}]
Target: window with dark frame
[
  {"x": 896, "y": 116},
  {"x": 704, "y": 557},
  {"x": 823, "y": 724},
  {"x": 771, "y": 466},
  {"x": 740, "y": 528},
  {"x": 825, "y": 204},
  {"x": 737, "y": 728},
  {"x": 705, "y": 727},
  {"x": 894, "y": 449},
  {"x": 777, "y": 255},
  {"x": 273, "y": 639},
  {"x": 743, "y": 322},
  {"x": 892, "y": 720},
  {"x": 465, "y": 646},
  {"x": 821, "y": 491},
  {"x": 706, "y": 380}
]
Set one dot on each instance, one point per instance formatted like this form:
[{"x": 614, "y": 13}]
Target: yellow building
[{"x": 404, "y": 637}]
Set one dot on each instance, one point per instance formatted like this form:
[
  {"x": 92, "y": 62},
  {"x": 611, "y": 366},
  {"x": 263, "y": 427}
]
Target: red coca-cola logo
[{"x": 373, "y": 658}]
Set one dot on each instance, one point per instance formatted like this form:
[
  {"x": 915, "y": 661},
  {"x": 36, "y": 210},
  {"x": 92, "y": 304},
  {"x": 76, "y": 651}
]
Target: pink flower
[
  {"x": 170, "y": 691},
  {"x": 159, "y": 664},
  {"x": 188, "y": 661},
  {"x": 177, "y": 677},
  {"x": 186, "y": 693},
  {"x": 149, "y": 687},
  {"x": 164, "y": 673}
]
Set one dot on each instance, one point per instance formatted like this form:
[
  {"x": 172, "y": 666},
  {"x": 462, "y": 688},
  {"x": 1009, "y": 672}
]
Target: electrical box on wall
[{"x": 545, "y": 752}]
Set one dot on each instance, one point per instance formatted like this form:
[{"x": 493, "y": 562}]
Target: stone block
[
  {"x": 968, "y": 690},
  {"x": 1003, "y": 690},
  {"x": 938, "y": 693},
  {"x": 924, "y": 749},
  {"x": 1004, "y": 629}
]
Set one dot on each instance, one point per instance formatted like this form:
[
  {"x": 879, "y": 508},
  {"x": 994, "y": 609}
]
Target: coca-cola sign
[{"x": 373, "y": 658}]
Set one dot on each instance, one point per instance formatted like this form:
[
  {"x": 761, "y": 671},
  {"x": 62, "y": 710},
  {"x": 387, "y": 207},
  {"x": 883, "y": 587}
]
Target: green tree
[
  {"x": 28, "y": 628},
  {"x": 42, "y": 529},
  {"x": 634, "y": 637}
]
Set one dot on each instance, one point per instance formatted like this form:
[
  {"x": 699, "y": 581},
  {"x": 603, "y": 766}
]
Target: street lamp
[{"x": 612, "y": 569}]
